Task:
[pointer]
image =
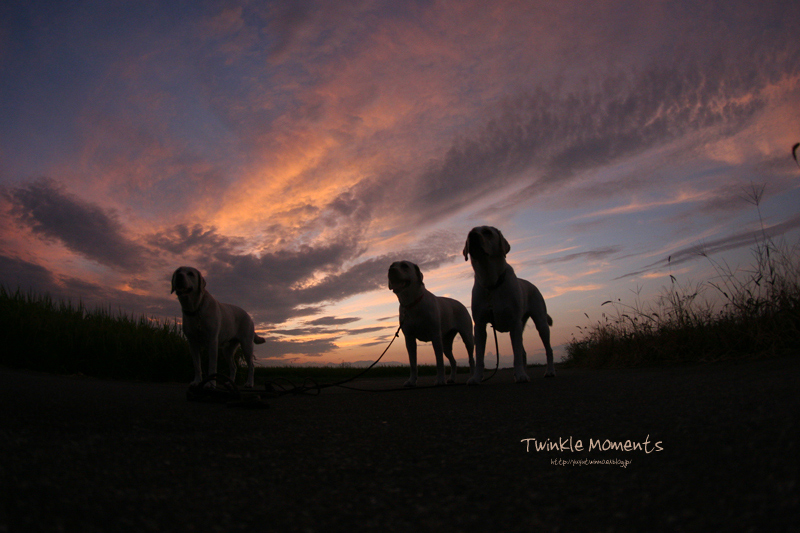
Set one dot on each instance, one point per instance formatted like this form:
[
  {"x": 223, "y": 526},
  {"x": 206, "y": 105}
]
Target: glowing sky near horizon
[{"x": 292, "y": 150}]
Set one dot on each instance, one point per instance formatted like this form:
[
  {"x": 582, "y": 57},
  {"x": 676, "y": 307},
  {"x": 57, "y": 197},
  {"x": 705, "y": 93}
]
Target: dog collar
[
  {"x": 415, "y": 302},
  {"x": 500, "y": 279},
  {"x": 196, "y": 309}
]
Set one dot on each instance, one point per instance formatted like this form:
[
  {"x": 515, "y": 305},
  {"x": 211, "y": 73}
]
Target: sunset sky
[{"x": 292, "y": 150}]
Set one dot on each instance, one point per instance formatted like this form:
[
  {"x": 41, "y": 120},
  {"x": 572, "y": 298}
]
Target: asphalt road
[{"x": 81, "y": 454}]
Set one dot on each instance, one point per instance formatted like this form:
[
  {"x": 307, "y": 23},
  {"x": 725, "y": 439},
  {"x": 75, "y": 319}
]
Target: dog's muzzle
[
  {"x": 478, "y": 242},
  {"x": 397, "y": 284},
  {"x": 182, "y": 291},
  {"x": 396, "y": 281}
]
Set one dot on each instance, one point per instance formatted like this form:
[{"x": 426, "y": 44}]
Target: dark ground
[{"x": 81, "y": 454}]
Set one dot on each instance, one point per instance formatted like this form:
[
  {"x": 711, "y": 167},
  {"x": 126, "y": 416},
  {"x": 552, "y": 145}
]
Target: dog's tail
[
  {"x": 259, "y": 340},
  {"x": 549, "y": 321}
]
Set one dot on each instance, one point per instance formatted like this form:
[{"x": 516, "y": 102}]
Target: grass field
[
  {"x": 61, "y": 337},
  {"x": 747, "y": 312},
  {"x": 39, "y": 333}
]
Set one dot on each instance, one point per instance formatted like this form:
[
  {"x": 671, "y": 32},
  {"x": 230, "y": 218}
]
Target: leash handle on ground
[{"x": 226, "y": 392}]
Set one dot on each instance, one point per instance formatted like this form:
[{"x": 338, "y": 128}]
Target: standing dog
[
  {"x": 209, "y": 325},
  {"x": 429, "y": 318},
  {"x": 500, "y": 298}
]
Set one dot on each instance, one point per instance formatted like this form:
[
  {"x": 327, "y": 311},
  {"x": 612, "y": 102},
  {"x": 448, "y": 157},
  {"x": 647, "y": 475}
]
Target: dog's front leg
[
  {"x": 411, "y": 347},
  {"x": 213, "y": 346},
  {"x": 480, "y": 349},
  {"x": 439, "y": 353},
  {"x": 520, "y": 376},
  {"x": 198, "y": 367}
]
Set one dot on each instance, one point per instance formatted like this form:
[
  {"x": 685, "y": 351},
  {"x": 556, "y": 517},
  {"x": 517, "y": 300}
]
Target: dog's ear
[
  {"x": 390, "y": 283},
  {"x": 503, "y": 243},
  {"x": 466, "y": 250},
  {"x": 173, "y": 281},
  {"x": 419, "y": 273},
  {"x": 202, "y": 281}
]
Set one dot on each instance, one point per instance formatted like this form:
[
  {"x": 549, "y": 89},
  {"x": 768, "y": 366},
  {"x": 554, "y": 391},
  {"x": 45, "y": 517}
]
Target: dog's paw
[
  {"x": 521, "y": 377},
  {"x": 211, "y": 385},
  {"x": 248, "y": 385},
  {"x": 410, "y": 383},
  {"x": 550, "y": 374},
  {"x": 450, "y": 381},
  {"x": 474, "y": 381}
]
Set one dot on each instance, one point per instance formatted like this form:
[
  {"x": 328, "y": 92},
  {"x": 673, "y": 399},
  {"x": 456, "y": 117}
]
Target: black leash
[
  {"x": 310, "y": 386},
  {"x": 314, "y": 386},
  {"x": 233, "y": 397},
  {"x": 497, "y": 354}
]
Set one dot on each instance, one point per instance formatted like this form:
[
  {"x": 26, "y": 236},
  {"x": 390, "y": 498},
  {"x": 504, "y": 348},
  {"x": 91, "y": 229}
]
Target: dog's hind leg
[
  {"x": 247, "y": 350},
  {"x": 411, "y": 348},
  {"x": 469, "y": 344},
  {"x": 439, "y": 353},
  {"x": 520, "y": 376},
  {"x": 229, "y": 353},
  {"x": 447, "y": 347},
  {"x": 543, "y": 327},
  {"x": 480, "y": 349}
]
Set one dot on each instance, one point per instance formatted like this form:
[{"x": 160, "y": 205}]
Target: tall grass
[
  {"x": 39, "y": 333},
  {"x": 756, "y": 313}
]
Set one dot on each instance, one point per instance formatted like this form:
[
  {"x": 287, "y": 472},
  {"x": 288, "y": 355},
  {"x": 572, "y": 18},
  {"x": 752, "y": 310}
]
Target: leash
[
  {"x": 313, "y": 388},
  {"x": 306, "y": 389},
  {"x": 252, "y": 399},
  {"x": 497, "y": 354}
]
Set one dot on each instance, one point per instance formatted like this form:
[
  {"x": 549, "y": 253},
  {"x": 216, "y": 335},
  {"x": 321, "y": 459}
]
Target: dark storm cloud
[{"x": 87, "y": 229}]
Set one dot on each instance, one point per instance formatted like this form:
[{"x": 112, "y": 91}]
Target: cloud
[
  {"x": 591, "y": 255},
  {"x": 17, "y": 273},
  {"x": 196, "y": 240},
  {"x": 275, "y": 348},
  {"x": 715, "y": 246},
  {"x": 87, "y": 229},
  {"x": 332, "y": 321},
  {"x": 295, "y": 281},
  {"x": 27, "y": 276}
]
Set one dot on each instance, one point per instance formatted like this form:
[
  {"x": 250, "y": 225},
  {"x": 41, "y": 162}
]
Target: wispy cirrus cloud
[
  {"x": 746, "y": 238},
  {"x": 598, "y": 254}
]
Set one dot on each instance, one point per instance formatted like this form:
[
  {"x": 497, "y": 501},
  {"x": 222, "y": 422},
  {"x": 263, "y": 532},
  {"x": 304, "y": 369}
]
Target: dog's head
[
  {"x": 404, "y": 275},
  {"x": 486, "y": 240},
  {"x": 187, "y": 280}
]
